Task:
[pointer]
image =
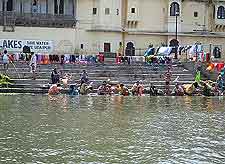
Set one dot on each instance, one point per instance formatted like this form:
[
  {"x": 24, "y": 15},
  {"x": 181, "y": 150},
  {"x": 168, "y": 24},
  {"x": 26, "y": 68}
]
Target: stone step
[
  {"x": 128, "y": 69},
  {"x": 95, "y": 82},
  {"x": 24, "y": 64},
  {"x": 98, "y": 69},
  {"x": 103, "y": 76},
  {"x": 97, "y": 75},
  {"x": 95, "y": 86},
  {"x": 94, "y": 68}
]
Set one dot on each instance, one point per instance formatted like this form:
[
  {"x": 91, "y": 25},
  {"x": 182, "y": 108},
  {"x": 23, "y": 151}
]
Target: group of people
[
  {"x": 106, "y": 88},
  {"x": 58, "y": 83},
  {"x": 84, "y": 87}
]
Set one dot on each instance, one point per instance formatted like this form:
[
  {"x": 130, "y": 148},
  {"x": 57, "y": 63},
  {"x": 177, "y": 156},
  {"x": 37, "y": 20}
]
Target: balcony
[{"x": 36, "y": 20}]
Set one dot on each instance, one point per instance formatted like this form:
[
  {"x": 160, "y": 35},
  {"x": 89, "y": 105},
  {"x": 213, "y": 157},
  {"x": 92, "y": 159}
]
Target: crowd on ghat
[
  {"x": 85, "y": 86},
  {"x": 198, "y": 87}
]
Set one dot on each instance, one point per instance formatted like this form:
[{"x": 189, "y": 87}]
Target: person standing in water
[
  {"x": 55, "y": 76},
  {"x": 167, "y": 78}
]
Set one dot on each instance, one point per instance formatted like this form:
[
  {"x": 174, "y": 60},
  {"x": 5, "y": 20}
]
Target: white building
[{"x": 92, "y": 26}]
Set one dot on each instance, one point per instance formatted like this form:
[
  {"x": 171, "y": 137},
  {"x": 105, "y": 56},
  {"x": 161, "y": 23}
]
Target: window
[
  {"x": 174, "y": 9},
  {"x": 107, "y": 11},
  {"x": 217, "y": 52},
  {"x": 94, "y": 11},
  {"x": 9, "y": 5},
  {"x": 133, "y": 10},
  {"x": 81, "y": 46},
  {"x": 221, "y": 12},
  {"x": 195, "y": 14},
  {"x": 59, "y": 8}
]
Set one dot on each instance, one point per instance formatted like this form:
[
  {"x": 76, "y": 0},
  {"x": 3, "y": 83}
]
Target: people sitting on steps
[
  {"x": 104, "y": 89},
  {"x": 73, "y": 90},
  {"x": 206, "y": 89},
  {"x": 65, "y": 80},
  {"x": 178, "y": 90},
  {"x": 137, "y": 89},
  {"x": 116, "y": 89},
  {"x": 85, "y": 88},
  {"x": 124, "y": 90},
  {"x": 190, "y": 89},
  {"x": 152, "y": 90}
]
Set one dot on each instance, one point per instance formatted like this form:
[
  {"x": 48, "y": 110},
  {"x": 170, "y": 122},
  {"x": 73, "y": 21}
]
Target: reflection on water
[{"x": 87, "y": 129}]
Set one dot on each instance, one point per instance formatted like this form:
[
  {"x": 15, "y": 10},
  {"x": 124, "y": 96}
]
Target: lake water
[{"x": 126, "y": 130}]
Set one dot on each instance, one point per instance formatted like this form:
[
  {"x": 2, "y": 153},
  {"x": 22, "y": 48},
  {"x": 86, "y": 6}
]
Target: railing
[{"x": 36, "y": 20}]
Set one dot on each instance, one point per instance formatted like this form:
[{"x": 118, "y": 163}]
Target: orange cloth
[{"x": 54, "y": 90}]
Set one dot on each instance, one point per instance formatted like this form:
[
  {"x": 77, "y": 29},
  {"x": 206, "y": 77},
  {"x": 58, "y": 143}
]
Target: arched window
[
  {"x": 221, "y": 12},
  {"x": 174, "y": 9}
]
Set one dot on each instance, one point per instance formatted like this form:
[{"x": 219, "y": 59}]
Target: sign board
[{"x": 37, "y": 46}]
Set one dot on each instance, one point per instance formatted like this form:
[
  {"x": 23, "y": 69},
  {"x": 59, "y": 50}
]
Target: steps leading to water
[{"x": 127, "y": 74}]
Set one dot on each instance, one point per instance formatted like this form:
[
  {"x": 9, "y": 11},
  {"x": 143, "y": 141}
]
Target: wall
[
  {"x": 152, "y": 16},
  {"x": 94, "y": 30},
  {"x": 189, "y": 22},
  {"x": 64, "y": 39},
  {"x": 143, "y": 41}
]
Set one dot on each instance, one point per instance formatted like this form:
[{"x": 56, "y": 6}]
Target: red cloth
[
  {"x": 118, "y": 59},
  {"x": 203, "y": 57},
  {"x": 11, "y": 58},
  {"x": 219, "y": 66},
  {"x": 208, "y": 57},
  {"x": 101, "y": 58}
]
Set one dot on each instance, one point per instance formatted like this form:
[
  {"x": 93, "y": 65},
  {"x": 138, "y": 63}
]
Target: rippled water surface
[{"x": 127, "y": 130}]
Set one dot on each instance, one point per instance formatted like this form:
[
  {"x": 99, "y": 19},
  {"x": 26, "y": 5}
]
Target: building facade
[{"x": 92, "y": 26}]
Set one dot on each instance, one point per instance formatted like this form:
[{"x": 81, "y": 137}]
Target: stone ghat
[{"x": 122, "y": 73}]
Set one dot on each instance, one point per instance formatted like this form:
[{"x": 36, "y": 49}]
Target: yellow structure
[{"x": 92, "y": 26}]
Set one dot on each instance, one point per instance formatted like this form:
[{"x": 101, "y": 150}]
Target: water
[{"x": 126, "y": 130}]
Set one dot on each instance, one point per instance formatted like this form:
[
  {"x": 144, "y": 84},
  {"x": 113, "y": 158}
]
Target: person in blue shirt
[
  {"x": 73, "y": 90},
  {"x": 5, "y": 60}
]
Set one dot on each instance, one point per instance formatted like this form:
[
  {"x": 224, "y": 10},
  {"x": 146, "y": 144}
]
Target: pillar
[{"x": 58, "y": 4}]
